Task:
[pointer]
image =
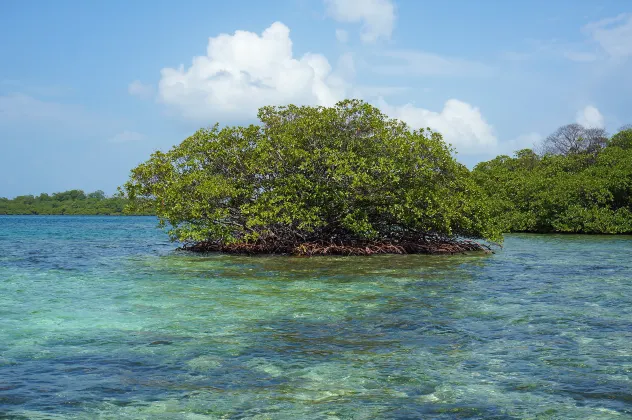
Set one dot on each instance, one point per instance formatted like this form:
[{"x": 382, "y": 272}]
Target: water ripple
[{"x": 101, "y": 318}]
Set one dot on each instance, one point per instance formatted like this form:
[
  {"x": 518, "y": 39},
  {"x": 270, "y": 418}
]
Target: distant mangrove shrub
[{"x": 309, "y": 180}]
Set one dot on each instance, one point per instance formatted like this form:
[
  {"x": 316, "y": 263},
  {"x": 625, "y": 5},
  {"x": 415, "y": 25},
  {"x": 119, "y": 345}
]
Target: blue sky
[{"x": 89, "y": 89}]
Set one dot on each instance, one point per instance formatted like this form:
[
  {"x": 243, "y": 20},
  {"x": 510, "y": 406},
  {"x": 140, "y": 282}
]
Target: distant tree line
[
  {"x": 579, "y": 180},
  {"x": 68, "y": 202}
]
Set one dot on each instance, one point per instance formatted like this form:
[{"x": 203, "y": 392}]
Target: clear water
[{"x": 101, "y": 319}]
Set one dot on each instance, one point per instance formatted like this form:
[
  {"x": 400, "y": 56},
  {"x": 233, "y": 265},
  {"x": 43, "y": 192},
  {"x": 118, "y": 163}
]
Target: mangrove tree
[{"x": 314, "y": 180}]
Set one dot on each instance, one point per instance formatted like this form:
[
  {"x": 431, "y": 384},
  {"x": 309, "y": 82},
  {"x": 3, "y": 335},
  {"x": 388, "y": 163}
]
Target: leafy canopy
[
  {"x": 311, "y": 173},
  {"x": 623, "y": 139},
  {"x": 582, "y": 191}
]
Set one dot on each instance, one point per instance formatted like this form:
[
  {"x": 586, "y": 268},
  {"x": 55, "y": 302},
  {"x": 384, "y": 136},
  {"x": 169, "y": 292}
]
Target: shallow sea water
[{"x": 101, "y": 319}]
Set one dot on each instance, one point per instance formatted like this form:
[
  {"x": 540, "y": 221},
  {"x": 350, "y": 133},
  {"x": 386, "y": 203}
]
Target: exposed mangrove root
[{"x": 424, "y": 246}]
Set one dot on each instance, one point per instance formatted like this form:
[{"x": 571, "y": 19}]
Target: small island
[{"x": 315, "y": 181}]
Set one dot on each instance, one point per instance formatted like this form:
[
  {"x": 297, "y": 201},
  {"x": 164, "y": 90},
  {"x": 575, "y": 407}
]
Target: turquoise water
[{"x": 102, "y": 319}]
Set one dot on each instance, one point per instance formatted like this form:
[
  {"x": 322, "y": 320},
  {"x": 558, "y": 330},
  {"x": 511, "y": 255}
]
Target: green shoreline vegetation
[
  {"x": 73, "y": 202},
  {"x": 579, "y": 182}
]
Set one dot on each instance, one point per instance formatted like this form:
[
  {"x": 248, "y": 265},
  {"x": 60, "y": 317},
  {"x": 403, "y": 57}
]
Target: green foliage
[
  {"x": 310, "y": 174},
  {"x": 622, "y": 139},
  {"x": 68, "y": 202},
  {"x": 583, "y": 192}
]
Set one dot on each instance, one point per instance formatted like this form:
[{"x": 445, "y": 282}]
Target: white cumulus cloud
[
  {"x": 377, "y": 16},
  {"x": 244, "y": 71},
  {"x": 590, "y": 117},
  {"x": 460, "y": 123}
]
